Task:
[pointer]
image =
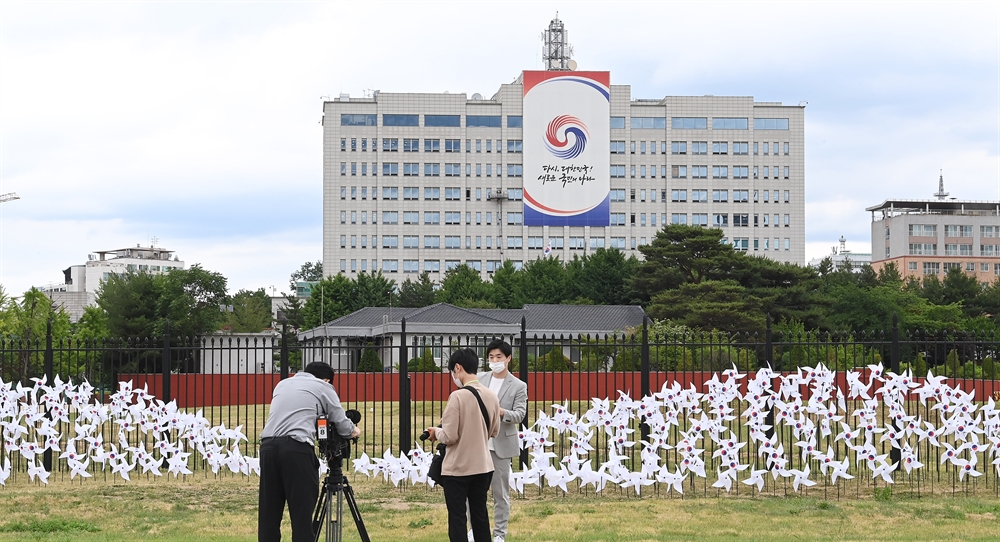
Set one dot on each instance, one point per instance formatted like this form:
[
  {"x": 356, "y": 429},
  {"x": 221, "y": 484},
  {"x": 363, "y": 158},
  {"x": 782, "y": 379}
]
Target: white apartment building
[
  {"x": 417, "y": 182},
  {"x": 79, "y": 288}
]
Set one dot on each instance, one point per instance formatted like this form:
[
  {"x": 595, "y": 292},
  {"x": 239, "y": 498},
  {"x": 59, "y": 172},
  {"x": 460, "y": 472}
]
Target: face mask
[
  {"x": 458, "y": 383},
  {"x": 498, "y": 366}
]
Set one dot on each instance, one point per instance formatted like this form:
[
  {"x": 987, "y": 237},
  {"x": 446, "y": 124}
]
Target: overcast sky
[{"x": 198, "y": 123}]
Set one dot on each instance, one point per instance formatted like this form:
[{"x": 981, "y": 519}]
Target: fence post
[
  {"x": 284, "y": 347},
  {"x": 47, "y": 456},
  {"x": 644, "y": 371},
  {"x": 522, "y": 371},
  {"x": 895, "y": 454},
  {"x": 405, "y": 431},
  {"x": 765, "y": 362},
  {"x": 166, "y": 361}
]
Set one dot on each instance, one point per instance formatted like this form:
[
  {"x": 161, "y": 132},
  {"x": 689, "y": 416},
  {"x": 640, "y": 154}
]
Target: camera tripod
[{"x": 336, "y": 484}]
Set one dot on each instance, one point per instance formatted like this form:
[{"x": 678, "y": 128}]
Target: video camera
[
  {"x": 426, "y": 434},
  {"x": 331, "y": 444}
]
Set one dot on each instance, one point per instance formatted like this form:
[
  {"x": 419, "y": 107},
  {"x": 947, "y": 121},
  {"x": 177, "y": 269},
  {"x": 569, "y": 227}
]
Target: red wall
[{"x": 202, "y": 390}]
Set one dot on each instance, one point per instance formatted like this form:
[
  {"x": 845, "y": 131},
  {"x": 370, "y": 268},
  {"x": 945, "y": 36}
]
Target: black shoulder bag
[{"x": 434, "y": 473}]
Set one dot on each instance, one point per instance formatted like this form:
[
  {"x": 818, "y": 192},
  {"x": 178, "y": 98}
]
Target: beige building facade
[
  {"x": 424, "y": 182},
  {"x": 930, "y": 237}
]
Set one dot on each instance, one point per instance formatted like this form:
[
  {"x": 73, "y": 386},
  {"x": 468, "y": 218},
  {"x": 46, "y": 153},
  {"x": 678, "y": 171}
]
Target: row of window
[
  {"x": 700, "y": 147},
  {"x": 934, "y": 268},
  {"x": 432, "y": 193},
  {"x": 431, "y": 121},
  {"x": 539, "y": 243},
  {"x": 515, "y": 218},
  {"x": 430, "y": 145},
  {"x": 516, "y": 121},
  {"x": 930, "y": 230},
  {"x": 701, "y": 172},
  {"x": 931, "y": 249}
]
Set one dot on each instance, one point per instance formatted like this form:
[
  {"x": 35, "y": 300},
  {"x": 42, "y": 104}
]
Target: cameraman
[{"x": 289, "y": 469}]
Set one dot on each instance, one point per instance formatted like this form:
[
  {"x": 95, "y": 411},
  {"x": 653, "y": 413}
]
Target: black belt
[{"x": 268, "y": 440}]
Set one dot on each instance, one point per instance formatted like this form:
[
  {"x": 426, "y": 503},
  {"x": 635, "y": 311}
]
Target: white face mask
[
  {"x": 498, "y": 366},
  {"x": 458, "y": 383}
]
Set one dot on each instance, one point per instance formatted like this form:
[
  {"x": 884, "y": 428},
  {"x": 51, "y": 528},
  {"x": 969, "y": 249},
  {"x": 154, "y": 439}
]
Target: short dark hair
[
  {"x": 320, "y": 370},
  {"x": 465, "y": 357},
  {"x": 501, "y": 345}
]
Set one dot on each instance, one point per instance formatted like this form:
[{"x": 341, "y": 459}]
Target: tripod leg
[
  {"x": 355, "y": 512},
  {"x": 321, "y": 512}
]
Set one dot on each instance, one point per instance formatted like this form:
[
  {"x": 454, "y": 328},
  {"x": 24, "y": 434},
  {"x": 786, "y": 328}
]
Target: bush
[
  {"x": 989, "y": 369},
  {"x": 424, "y": 364},
  {"x": 553, "y": 361},
  {"x": 370, "y": 362}
]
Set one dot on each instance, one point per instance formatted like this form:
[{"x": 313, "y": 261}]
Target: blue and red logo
[{"x": 560, "y": 147}]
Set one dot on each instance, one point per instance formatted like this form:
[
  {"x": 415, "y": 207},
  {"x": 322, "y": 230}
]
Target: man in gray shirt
[{"x": 289, "y": 469}]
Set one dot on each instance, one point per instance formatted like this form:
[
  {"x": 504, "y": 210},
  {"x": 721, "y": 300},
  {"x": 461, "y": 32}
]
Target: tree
[
  {"x": 370, "y": 362},
  {"x": 541, "y": 281},
  {"x": 251, "y": 312},
  {"x": 506, "y": 288},
  {"x": 419, "y": 293},
  {"x": 889, "y": 275},
  {"x": 131, "y": 302},
  {"x": 787, "y": 291},
  {"x": 331, "y": 298},
  {"x": 27, "y": 322},
  {"x": 372, "y": 290},
  {"x": 463, "y": 283},
  {"x": 606, "y": 277},
  {"x": 309, "y": 272},
  {"x": 191, "y": 299},
  {"x": 682, "y": 254},
  {"x": 709, "y": 304},
  {"x": 961, "y": 288}
]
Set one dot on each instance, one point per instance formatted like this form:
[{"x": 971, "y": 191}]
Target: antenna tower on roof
[
  {"x": 941, "y": 194},
  {"x": 556, "y": 50}
]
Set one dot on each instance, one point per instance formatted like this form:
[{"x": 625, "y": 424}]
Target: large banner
[{"x": 566, "y": 148}]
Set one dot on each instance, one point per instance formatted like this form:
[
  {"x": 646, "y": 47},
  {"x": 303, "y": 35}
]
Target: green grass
[{"x": 225, "y": 509}]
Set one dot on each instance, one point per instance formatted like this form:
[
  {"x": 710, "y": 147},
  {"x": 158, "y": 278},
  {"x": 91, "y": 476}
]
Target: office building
[{"x": 557, "y": 162}]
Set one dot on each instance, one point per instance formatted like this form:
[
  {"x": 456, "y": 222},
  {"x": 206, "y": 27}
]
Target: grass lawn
[{"x": 223, "y": 509}]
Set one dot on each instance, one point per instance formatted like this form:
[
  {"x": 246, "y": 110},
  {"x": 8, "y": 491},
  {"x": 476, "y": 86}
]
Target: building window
[
  {"x": 432, "y": 217},
  {"x": 617, "y": 172},
  {"x": 770, "y": 124},
  {"x": 411, "y": 145},
  {"x": 515, "y": 242},
  {"x": 730, "y": 123},
  {"x": 514, "y": 146},
  {"x": 699, "y": 219},
  {"x": 678, "y": 147},
  {"x": 617, "y": 147},
  {"x": 679, "y": 172},
  {"x": 400, "y": 120},
  {"x": 390, "y": 192},
  {"x": 720, "y": 196},
  {"x": 617, "y": 219},
  {"x": 741, "y": 172},
  {"x": 741, "y": 196},
  {"x": 678, "y": 218},
  {"x": 699, "y": 196},
  {"x": 699, "y": 172},
  {"x": 689, "y": 123},
  {"x": 432, "y": 170},
  {"x": 720, "y": 172},
  {"x": 452, "y": 241},
  {"x": 432, "y": 193},
  {"x": 450, "y": 121},
  {"x": 932, "y": 268},
  {"x": 577, "y": 243},
  {"x": 556, "y": 242},
  {"x": 654, "y": 123},
  {"x": 720, "y": 147},
  {"x": 923, "y": 230},
  {"x": 617, "y": 194},
  {"x": 989, "y": 231},
  {"x": 741, "y": 147},
  {"x": 390, "y": 169},
  {"x": 482, "y": 121},
  {"x": 357, "y": 120},
  {"x": 678, "y": 195},
  {"x": 699, "y": 147},
  {"x": 390, "y": 241},
  {"x": 923, "y": 249},
  {"x": 720, "y": 220},
  {"x": 515, "y": 121},
  {"x": 432, "y": 241},
  {"x": 452, "y": 194},
  {"x": 957, "y": 231},
  {"x": 390, "y": 217},
  {"x": 453, "y": 218}
]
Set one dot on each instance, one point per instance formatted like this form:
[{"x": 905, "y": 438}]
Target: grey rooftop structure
[{"x": 443, "y": 318}]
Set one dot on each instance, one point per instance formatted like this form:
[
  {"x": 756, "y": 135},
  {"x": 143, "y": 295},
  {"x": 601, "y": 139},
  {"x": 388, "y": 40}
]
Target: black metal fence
[{"x": 397, "y": 382}]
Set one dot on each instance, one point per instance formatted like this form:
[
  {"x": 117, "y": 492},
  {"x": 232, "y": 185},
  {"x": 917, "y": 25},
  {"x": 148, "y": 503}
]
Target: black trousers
[
  {"x": 472, "y": 489},
  {"x": 289, "y": 472}
]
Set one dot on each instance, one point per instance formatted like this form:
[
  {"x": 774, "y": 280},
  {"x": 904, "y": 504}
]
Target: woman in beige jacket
[{"x": 467, "y": 468}]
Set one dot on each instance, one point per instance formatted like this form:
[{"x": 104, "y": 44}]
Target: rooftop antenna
[
  {"x": 556, "y": 50},
  {"x": 843, "y": 244},
  {"x": 941, "y": 194}
]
